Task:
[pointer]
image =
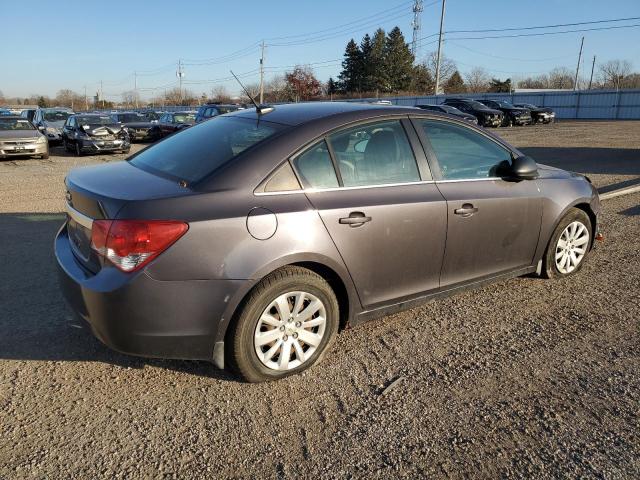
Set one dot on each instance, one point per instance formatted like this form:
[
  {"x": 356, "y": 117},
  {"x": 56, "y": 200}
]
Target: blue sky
[{"x": 73, "y": 43}]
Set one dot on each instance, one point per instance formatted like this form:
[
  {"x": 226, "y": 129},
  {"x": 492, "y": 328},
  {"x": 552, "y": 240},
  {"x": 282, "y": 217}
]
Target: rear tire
[
  {"x": 266, "y": 340},
  {"x": 569, "y": 245},
  {"x": 45, "y": 156},
  {"x": 78, "y": 150}
]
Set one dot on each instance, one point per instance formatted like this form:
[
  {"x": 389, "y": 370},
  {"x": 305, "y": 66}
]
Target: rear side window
[
  {"x": 374, "y": 154},
  {"x": 197, "y": 151},
  {"x": 315, "y": 167},
  {"x": 463, "y": 153}
]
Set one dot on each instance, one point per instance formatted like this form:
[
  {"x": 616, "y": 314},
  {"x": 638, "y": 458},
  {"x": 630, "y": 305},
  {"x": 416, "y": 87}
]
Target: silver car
[
  {"x": 50, "y": 122},
  {"x": 19, "y": 137}
]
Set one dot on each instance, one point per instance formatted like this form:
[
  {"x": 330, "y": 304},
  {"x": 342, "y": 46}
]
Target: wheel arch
[{"x": 336, "y": 275}]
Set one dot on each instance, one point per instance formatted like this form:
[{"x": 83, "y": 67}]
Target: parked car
[
  {"x": 94, "y": 133},
  {"x": 211, "y": 110},
  {"x": 19, "y": 137},
  {"x": 250, "y": 239},
  {"x": 50, "y": 121},
  {"x": 448, "y": 109},
  {"x": 171, "y": 122},
  {"x": 512, "y": 114},
  {"x": 5, "y": 112},
  {"x": 28, "y": 113},
  {"x": 538, "y": 114},
  {"x": 139, "y": 126},
  {"x": 486, "y": 116}
]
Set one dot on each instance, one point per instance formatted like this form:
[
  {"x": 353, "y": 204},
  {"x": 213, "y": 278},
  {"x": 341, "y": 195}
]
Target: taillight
[{"x": 131, "y": 244}]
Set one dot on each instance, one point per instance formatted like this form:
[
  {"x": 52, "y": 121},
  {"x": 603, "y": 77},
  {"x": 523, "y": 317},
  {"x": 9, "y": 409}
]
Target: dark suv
[
  {"x": 486, "y": 116},
  {"x": 211, "y": 110},
  {"x": 512, "y": 115},
  {"x": 251, "y": 238}
]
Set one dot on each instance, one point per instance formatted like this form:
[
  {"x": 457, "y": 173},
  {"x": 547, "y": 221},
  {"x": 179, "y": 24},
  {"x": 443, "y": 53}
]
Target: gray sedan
[{"x": 249, "y": 240}]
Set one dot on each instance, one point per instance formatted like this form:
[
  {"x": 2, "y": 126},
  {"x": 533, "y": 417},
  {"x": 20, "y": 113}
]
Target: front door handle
[
  {"x": 466, "y": 211},
  {"x": 355, "y": 219}
]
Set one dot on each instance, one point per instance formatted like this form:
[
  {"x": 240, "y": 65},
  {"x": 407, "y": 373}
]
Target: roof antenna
[{"x": 260, "y": 109}]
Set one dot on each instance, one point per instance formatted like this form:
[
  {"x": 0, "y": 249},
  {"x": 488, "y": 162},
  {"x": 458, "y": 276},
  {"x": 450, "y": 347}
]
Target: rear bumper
[{"x": 138, "y": 315}]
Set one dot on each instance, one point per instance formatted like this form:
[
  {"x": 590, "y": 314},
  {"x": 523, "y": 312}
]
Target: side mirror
[{"x": 524, "y": 167}]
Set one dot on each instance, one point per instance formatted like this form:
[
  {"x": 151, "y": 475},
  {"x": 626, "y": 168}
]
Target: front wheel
[
  {"x": 568, "y": 246},
  {"x": 285, "y": 325}
]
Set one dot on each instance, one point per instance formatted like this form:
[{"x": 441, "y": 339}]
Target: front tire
[
  {"x": 569, "y": 245},
  {"x": 286, "y": 325}
]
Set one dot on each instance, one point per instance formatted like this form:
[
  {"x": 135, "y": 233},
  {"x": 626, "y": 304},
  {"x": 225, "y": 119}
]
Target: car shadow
[
  {"x": 608, "y": 161},
  {"x": 35, "y": 323}
]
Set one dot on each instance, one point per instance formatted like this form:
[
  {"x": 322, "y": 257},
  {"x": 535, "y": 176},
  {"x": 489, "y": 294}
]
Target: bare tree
[
  {"x": 477, "y": 80},
  {"x": 130, "y": 98},
  {"x": 176, "y": 97},
  {"x": 220, "y": 94},
  {"x": 447, "y": 66},
  {"x": 561, "y": 78},
  {"x": 277, "y": 89},
  {"x": 253, "y": 89},
  {"x": 613, "y": 73}
]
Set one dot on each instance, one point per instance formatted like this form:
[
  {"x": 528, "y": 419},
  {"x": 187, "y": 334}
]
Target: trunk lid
[{"x": 99, "y": 192}]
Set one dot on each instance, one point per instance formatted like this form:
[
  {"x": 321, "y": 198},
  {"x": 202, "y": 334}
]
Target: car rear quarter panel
[{"x": 218, "y": 245}]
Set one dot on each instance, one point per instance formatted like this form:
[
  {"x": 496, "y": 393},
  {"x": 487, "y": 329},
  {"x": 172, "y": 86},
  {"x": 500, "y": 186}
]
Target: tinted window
[
  {"x": 463, "y": 153},
  {"x": 374, "y": 154},
  {"x": 315, "y": 168},
  {"x": 199, "y": 150}
]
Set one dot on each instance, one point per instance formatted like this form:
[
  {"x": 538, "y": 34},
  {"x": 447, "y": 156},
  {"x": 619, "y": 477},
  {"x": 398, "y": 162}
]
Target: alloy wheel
[
  {"x": 290, "y": 330},
  {"x": 571, "y": 247}
]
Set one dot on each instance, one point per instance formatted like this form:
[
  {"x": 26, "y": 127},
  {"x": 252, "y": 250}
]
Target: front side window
[
  {"x": 315, "y": 167},
  {"x": 463, "y": 153},
  {"x": 201, "y": 149},
  {"x": 374, "y": 154}
]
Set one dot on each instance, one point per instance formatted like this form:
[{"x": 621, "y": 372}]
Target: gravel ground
[{"x": 525, "y": 378}]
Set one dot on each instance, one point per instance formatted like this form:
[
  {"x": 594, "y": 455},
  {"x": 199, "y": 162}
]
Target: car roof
[
  {"x": 299, "y": 113},
  {"x": 13, "y": 117}
]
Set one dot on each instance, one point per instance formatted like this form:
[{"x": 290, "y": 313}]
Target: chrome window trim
[
  {"x": 359, "y": 187},
  {"x": 76, "y": 216}
]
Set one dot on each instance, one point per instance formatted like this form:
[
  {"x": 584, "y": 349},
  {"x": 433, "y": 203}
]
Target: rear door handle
[
  {"x": 466, "y": 211},
  {"x": 355, "y": 219}
]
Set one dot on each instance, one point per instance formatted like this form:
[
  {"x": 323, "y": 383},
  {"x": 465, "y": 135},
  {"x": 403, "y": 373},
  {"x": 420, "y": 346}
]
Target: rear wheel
[
  {"x": 44, "y": 156},
  {"x": 285, "y": 326},
  {"x": 568, "y": 246},
  {"x": 78, "y": 150}
]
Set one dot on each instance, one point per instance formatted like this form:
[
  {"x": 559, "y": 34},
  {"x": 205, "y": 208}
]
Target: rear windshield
[
  {"x": 59, "y": 116},
  {"x": 195, "y": 152},
  {"x": 184, "y": 118},
  {"x": 15, "y": 124},
  {"x": 131, "y": 117}
]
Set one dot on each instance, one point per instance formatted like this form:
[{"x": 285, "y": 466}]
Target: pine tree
[
  {"x": 455, "y": 84},
  {"x": 332, "y": 86},
  {"x": 351, "y": 75},
  {"x": 366, "y": 66},
  {"x": 422, "y": 80},
  {"x": 399, "y": 61},
  {"x": 379, "y": 79}
]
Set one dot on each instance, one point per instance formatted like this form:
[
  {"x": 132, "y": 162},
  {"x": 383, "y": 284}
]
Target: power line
[{"x": 449, "y": 42}]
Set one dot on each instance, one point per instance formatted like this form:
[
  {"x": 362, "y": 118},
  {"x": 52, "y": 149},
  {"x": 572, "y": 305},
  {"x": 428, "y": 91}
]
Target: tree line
[{"x": 381, "y": 64}]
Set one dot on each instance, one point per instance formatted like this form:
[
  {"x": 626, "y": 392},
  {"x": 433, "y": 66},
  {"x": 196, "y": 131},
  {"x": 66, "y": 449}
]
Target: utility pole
[
  {"x": 180, "y": 74},
  {"x": 417, "y": 10},
  {"x": 86, "y": 102},
  {"x": 262, "y": 73},
  {"x": 135, "y": 87},
  {"x": 439, "y": 48},
  {"x": 102, "y": 94},
  {"x": 575, "y": 81},
  {"x": 593, "y": 64}
]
